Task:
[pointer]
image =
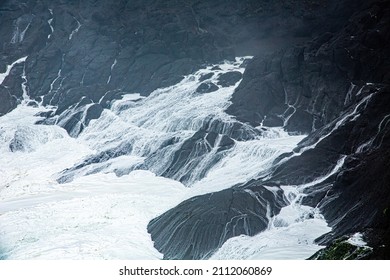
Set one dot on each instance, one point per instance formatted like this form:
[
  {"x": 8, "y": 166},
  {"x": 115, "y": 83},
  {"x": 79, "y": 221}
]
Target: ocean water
[{"x": 96, "y": 214}]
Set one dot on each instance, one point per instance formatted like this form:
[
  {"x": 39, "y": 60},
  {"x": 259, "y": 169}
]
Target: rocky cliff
[
  {"x": 320, "y": 68},
  {"x": 334, "y": 87}
]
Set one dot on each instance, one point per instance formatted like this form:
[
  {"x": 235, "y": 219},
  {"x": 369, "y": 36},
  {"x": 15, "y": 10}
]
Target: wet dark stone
[
  {"x": 93, "y": 112},
  {"x": 8, "y": 102},
  {"x": 211, "y": 137},
  {"x": 74, "y": 124},
  {"x": 301, "y": 74},
  {"x": 316, "y": 77},
  {"x": 207, "y": 87},
  {"x": 236, "y": 130},
  {"x": 45, "y": 114},
  {"x": 141, "y": 46},
  {"x": 16, "y": 145},
  {"x": 205, "y": 77},
  {"x": 32, "y": 104},
  {"x": 197, "y": 227},
  {"x": 226, "y": 143},
  {"x": 356, "y": 198},
  {"x": 229, "y": 79}
]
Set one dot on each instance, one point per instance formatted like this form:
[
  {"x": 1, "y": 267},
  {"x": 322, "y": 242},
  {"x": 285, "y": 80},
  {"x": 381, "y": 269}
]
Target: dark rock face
[
  {"x": 306, "y": 86},
  {"x": 355, "y": 199},
  {"x": 333, "y": 85},
  {"x": 11, "y": 91},
  {"x": 229, "y": 79},
  {"x": 360, "y": 134},
  {"x": 8, "y": 101},
  {"x": 321, "y": 87},
  {"x": 88, "y": 49},
  {"x": 197, "y": 227},
  {"x": 206, "y": 77}
]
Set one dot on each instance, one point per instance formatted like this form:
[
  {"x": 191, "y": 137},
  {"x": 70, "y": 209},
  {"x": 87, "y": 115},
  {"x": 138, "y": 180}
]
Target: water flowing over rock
[{"x": 219, "y": 129}]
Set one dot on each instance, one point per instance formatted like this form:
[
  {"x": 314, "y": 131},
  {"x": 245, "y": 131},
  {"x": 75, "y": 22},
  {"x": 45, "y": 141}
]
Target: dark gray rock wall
[
  {"x": 359, "y": 198},
  {"x": 336, "y": 86},
  {"x": 82, "y": 54},
  {"x": 82, "y": 49},
  {"x": 305, "y": 87}
]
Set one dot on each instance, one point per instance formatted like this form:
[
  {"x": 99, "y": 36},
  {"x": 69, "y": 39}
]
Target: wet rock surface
[
  {"x": 197, "y": 227},
  {"x": 330, "y": 81},
  {"x": 322, "y": 88},
  {"x": 306, "y": 86}
]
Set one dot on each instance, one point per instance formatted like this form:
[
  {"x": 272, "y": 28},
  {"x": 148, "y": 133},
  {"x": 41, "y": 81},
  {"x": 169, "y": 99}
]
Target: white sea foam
[
  {"x": 99, "y": 216},
  {"x": 357, "y": 240},
  {"x": 102, "y": 216}
]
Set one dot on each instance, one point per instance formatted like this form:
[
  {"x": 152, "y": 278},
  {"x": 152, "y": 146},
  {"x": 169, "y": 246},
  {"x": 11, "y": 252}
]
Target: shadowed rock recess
[{"x": 319, "y": 68}]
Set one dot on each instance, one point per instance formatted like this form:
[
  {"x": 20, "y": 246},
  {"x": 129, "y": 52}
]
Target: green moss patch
[{"x": 341, "y": 249}]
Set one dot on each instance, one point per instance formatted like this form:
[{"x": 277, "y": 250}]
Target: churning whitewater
[{"x": 90, "y": 193}]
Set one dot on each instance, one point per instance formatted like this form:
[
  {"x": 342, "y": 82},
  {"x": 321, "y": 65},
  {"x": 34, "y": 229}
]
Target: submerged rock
[{"x": 207, "y": 87}]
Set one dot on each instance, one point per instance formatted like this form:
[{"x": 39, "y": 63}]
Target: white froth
[{"x": 102, "y": 216}]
